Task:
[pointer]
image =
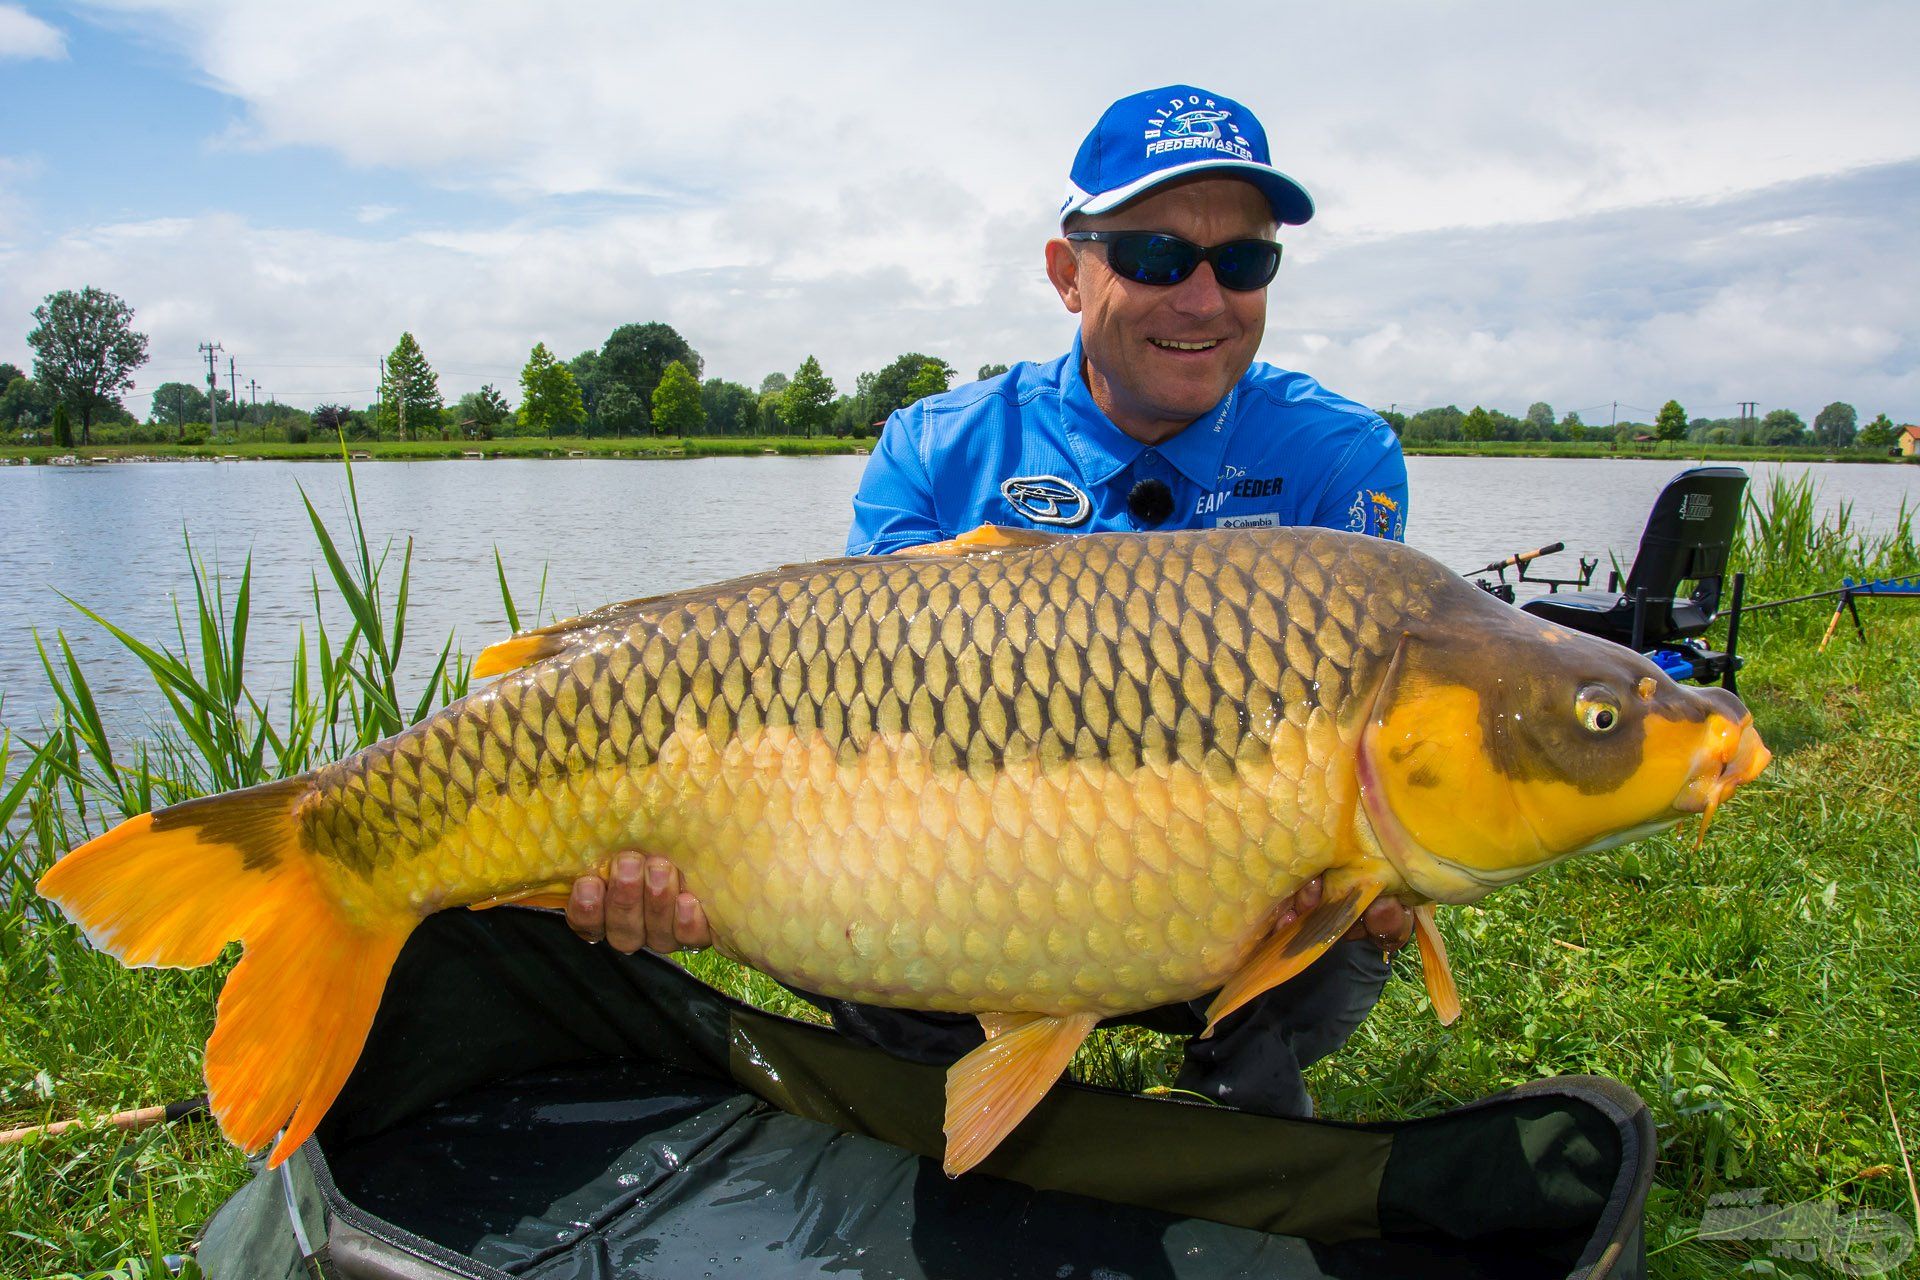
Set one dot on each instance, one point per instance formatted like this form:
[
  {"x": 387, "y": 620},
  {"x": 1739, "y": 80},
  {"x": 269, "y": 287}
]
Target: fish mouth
[{"x": 1735, "y": 757}]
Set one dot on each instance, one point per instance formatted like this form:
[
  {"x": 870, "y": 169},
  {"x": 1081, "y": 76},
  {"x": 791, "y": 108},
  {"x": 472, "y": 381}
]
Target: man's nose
[{"x": 1199, "y": 295}]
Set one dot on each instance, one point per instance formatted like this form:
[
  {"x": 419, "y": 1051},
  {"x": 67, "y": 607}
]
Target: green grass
[
  {"x": 328, "y": 450},
  {"x": 1756, "y": 990}
]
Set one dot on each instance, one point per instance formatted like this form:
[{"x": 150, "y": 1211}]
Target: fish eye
[{"x": 1597, "y": 710}]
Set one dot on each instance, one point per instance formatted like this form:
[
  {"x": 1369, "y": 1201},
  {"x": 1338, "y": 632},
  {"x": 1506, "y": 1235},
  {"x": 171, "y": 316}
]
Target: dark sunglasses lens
[
  {"x": 1152, "y": 259},
  {"x": 1246, "y": 264}
]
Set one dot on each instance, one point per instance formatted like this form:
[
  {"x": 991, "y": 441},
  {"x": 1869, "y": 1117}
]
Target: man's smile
[{"x": 1170, "y": 344}]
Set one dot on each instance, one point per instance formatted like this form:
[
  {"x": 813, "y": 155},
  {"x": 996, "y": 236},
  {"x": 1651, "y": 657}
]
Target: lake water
[{"x": 110, "y": 536}]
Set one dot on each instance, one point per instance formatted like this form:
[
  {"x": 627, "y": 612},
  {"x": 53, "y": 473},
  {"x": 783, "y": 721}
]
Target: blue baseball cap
[{"x": 1149, "y": 138}]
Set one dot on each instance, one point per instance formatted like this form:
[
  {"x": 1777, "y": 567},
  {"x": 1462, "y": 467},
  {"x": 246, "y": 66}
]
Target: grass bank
[
  {"x": 327, "y": 450},
  {"x": 1761, "y": 991},
  {"x": 1652, "y": 452}
]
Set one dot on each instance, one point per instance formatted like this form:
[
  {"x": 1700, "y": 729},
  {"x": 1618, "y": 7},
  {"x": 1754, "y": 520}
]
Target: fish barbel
[{"x": 1044, "y": 780}]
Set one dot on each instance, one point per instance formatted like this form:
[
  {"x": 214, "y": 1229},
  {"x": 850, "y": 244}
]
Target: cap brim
[{"x": 1291, "y": 203}]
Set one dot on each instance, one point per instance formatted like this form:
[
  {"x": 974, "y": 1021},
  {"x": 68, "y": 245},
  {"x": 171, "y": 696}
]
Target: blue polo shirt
[{"x": 1030, "y": 448}]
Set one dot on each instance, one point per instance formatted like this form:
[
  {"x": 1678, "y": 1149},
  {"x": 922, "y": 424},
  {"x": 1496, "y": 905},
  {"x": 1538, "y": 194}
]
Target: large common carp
[{"x": 1044, "y": 780}]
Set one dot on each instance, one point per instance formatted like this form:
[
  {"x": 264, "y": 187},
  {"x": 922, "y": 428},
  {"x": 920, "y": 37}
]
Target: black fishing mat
[{"x": 529, "y": 1106}]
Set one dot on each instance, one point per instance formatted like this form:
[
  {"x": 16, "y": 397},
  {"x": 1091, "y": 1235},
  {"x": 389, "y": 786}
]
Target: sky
[{"x": 1590, "y": 204}]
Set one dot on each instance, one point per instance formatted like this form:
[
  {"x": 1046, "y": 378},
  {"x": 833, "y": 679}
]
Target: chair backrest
[{"x": 1688, "y": 537}]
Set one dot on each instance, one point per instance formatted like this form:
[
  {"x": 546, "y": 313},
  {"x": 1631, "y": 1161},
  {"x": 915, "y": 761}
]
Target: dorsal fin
[
  {"x": 529, "y": 647},
  {"x": 988, "y": 537}
]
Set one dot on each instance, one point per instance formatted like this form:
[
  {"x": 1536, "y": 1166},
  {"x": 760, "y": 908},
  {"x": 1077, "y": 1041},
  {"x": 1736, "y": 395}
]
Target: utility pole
[
  {"x": 1749, "y": 409},
  {"x": 1616, "y": 414},
  {"x": 213, "y": 384},
  {"x": 380, "y": 398}
]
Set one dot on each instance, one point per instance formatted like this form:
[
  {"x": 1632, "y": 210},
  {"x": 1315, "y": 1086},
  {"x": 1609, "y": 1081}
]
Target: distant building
[{"x": 1909, "y": 440}]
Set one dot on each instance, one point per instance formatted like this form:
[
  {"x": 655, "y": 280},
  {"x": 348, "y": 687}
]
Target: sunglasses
[{"x": 1153, "y": 257}]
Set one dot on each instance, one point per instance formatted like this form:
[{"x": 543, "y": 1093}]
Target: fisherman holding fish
[{"x": 1159, "y": 418}]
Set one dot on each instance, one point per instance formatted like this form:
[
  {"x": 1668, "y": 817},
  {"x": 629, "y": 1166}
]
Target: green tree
[
  {"x": 1572, "y": 425},
  {"x": 1540, "y": 415},
  {"x": 1835, "y": 425},
  {"x": 1394, "y": 419},
  {"x": 481, "y": 413},
  {"x": 1878, "y": 434},
  {"x": 934, "y": 376},
  {"x": 731, "y": 409},
  {"x": 1442, "y": 422},
  {"x": 85, "y": 350},
  {"x": 549, "y": 397},
  {"x": 1671, "y": 422},
  {"x": 24, "y": 404},
  {"x": 1478, "y": 425},
  {"x": 177, "y": 403},
  {"x": 637, "y": 355},
  {"x": 1782, "y": 426},
  {"x": 807, "y": 403},
  {"x": 585, "y": 369},
  {"x": 991, "y": 371},
  {"x": 622, "y": 410},
  {"x": 769, "y": 419},
  {"x": 676, "y": 402},
  {"x": 409, "y": 391},
  {"x": 62, "y": 429},
  {"x": 774, "y": 383},
  {"x": 886, "y": 390}
]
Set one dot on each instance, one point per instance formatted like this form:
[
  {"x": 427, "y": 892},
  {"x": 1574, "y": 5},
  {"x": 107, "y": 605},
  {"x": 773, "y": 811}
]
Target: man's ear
[{"x": 1063, "y": 268}]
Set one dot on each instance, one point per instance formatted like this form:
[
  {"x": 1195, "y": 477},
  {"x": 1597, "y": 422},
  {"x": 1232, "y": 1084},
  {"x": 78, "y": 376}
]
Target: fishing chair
[{"x": 1687, "y": 540}]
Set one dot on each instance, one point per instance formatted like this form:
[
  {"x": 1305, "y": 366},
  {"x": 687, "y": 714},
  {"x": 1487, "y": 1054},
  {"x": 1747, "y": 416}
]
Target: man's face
[{"x": 1159, "y": 356}]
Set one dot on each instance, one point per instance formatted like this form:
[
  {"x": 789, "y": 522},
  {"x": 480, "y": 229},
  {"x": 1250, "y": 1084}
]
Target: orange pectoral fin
[
  {"x": 1295, "y": 945},
  {"x": 1434, "y": 967},
  {"x": 993, "y": 1088}
]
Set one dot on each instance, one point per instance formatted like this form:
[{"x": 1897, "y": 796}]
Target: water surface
[{"x": 110, "y": 536}]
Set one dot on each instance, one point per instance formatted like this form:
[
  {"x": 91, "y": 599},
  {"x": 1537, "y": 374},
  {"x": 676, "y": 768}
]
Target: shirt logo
[
  {"x": 1377, "y": 512},
  {"x": 1047, "y": 499},
  {"x": 1185, "y": 124}
]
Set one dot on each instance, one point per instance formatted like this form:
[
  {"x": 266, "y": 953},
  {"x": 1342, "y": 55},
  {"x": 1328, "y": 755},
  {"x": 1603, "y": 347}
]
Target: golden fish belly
[{"x": 1079, "y": 781}]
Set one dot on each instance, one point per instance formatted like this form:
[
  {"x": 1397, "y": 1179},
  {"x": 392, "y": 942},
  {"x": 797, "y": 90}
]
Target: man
[{"x": 1158, "y": 418}]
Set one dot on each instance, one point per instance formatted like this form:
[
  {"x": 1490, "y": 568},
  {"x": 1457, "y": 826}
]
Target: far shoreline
[{"x": 661, "y": 449}]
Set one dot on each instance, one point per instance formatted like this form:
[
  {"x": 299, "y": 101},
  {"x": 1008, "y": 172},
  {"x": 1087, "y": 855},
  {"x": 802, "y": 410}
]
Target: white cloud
[
  {"x": 24, "y": 36},
  {"x": 1517, "y": 201}
]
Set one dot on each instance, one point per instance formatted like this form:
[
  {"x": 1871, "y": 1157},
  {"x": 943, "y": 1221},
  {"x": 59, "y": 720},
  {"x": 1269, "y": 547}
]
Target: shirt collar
[{"x": 1103, "y": 450}]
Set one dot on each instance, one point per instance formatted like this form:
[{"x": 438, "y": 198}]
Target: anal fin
[
  {"x": 993, "y": 1088},
  {"x": 1434, "y": 967},
  {"x": 1295, "y": 945}
]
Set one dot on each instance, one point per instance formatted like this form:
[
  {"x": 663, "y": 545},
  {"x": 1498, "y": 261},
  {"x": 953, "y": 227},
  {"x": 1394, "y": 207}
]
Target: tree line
[
  {"x": 646, "y": 379},
  {"x": 1835, "y": 427}
]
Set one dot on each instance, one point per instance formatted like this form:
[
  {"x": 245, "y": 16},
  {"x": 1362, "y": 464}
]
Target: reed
[{"x": 1752, "y": 988}]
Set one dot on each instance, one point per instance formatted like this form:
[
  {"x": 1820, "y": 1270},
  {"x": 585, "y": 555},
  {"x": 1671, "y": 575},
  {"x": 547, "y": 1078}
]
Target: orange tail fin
[{"x": 172, "y": 888}]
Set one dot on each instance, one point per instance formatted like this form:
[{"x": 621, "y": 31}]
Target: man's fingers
[
  {"x": 587, "y": 908},
  {"x": 662, "y": 899},
  {"x": 625, "y": 924},
  {"x": 1304, "y": 900},
  {"x": 1388, "y": 924},
  {"x": 690, "y": 923}
]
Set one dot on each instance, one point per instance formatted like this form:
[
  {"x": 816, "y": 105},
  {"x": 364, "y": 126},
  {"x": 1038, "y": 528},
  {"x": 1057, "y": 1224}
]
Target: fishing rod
[
  {"x": 1519, "y": 561},
  {"x": 131, "y": 1121}
]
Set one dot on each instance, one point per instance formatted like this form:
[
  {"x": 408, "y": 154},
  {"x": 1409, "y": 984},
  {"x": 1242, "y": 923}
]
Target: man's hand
[
  {"x": 639, "y": 904},
  {"x": 1387, "y": 923}
]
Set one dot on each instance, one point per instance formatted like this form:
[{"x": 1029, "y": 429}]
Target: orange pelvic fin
[
  {"x": 993, "y": 1088},
  {"x": 172, "y": 888},
  {"x": 552, "y": 896},
  {"x": 1434, "y": 967},
  {"x": 1295, "y": 945}
]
